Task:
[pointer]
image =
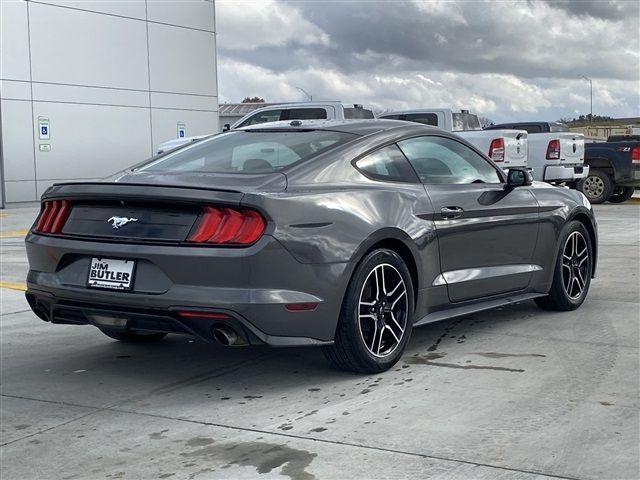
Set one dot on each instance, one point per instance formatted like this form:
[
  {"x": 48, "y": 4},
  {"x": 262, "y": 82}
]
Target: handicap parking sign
[
  {"x": 43, "y": 128},
  {"x": 182, "y": 130}
]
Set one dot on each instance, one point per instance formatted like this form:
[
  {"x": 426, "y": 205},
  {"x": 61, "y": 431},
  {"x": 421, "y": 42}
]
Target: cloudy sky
[{"x": 504, "y": 60}]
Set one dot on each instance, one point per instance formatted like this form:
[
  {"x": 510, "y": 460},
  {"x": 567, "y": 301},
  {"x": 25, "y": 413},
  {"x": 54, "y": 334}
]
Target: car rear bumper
[
  {"x": 168, "y": 320},
  {"x": 565, "y": 173},
  {"x": 252, "y": 285}
]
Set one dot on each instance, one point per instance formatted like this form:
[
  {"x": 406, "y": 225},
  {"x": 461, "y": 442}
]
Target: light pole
[
  {"x": 590, "y": 95},
  {"x": 306, "y": 93}
]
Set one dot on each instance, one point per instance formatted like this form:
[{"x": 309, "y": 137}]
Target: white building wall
[{"x": 113, "y": 77}]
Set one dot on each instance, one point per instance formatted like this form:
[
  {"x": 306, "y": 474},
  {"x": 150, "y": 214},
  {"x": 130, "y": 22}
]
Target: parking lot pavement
[{"x": 510, "y": 393}]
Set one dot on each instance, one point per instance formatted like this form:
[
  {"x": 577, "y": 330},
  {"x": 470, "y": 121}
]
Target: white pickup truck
[
  {"x": 506, "y": 147},
  {"x": 287, "y": 111},
  {"x": 556, "y": 155},
  {"x": 303, "y": 111}
]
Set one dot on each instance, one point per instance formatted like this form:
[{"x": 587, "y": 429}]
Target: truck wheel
[
  {"x": 597, "y": 187},
  {"x": 621, "y": 194}
]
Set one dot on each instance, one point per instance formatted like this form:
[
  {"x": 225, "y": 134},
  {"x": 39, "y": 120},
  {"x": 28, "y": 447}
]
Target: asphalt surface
[{"x": 513, "y": 393}]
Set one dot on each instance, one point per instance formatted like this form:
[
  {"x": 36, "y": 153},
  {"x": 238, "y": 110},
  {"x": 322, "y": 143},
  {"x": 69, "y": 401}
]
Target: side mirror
[
  {"x": 226, "y": 127},
  {"x": 519, "y": 177}
]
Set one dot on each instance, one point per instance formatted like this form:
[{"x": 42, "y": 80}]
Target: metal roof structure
[{"x": 240, "y": 109}]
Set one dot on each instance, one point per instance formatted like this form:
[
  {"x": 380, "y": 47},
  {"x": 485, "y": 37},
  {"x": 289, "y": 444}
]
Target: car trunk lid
[{"x": 145, "y": 212}]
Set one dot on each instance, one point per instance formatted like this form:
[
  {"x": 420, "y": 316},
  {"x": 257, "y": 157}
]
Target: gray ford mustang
[{"x": 344, "y": 235}]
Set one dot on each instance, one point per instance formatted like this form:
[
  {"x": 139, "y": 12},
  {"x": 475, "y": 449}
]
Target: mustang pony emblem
[{"x": 117, "y": 222}]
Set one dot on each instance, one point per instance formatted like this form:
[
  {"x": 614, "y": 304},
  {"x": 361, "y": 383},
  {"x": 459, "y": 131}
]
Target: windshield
[
  {"x": 351, "y": 113},
  {"x": 465, "y": 121},
  {"x": 249, "y": 152}
]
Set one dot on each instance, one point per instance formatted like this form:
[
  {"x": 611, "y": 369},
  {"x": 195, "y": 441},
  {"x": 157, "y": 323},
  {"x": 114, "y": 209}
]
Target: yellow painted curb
[
  {"x": 13, "y": 286},
  {"x": 14, "y": 233},
  {"x": 633, "y": 200}
]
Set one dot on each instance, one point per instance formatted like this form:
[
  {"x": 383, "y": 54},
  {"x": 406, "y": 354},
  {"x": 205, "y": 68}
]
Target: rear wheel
[
  {"x": 597, "y": 187},
  {"x": 572, "y": 274},
  {"x": 621, "y": 194},
  {"x": 130, "y": 337},
  {"x": 376, "y": 317}
]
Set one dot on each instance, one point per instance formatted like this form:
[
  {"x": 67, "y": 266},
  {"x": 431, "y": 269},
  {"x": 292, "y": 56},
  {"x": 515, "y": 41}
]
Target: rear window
[
  {"x": 351, "y": 113},
  {"x": 249, "y": 152},
  {"x": 425, "y": 118},
  {"x": 465, "y": 121},
  {"x": 558, "y": 127},
  {"x": 531, "y": 128},
  {"x": 307, "y": 114}
]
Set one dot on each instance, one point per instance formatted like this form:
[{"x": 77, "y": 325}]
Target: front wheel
[
  {"x": 376, "y": 317},
  {"x": 621, "y": 194},
  {"x": 572, "y": 274},
  {"x": 597, "y": 187}
]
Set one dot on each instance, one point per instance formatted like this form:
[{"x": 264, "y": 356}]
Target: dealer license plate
[{"x": 111, "y": 273}]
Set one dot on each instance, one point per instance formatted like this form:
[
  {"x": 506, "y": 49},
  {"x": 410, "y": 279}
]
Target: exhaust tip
[{"x": 227, "y": 336}]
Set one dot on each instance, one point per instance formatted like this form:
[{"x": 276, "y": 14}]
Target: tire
[
  {"x": 375, "y": 323},
  {"x": 572, "y": 272},
  {"x": 597, "y": 187},
  {"x": 621, "y": 194},
  {"x": 130, "y": 337}
]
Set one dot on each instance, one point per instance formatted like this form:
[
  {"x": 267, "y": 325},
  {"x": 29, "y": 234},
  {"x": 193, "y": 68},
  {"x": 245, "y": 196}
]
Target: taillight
[
  {"x": 53, "y": 216},
  {"x": 635, "y": 154},
  {"x": 553, "y": 150},
  {"x": 228, "y": 226},
  {"x": 496, "y": 150}
]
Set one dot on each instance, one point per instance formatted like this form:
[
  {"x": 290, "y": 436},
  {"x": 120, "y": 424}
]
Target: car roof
[
  {"x": 333, "y": 103},
  {"x": 418, "y": 110},
  {"x": 357, "y": 127}
]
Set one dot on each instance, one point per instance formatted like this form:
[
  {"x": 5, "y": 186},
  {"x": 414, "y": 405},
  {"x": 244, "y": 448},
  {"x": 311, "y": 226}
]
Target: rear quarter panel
[
  {"x": 613, "y": 155},
  {"x": 337, "y": 224}
]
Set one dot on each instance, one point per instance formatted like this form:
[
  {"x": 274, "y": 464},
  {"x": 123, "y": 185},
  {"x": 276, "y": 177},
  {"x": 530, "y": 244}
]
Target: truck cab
[{"x": 303, "y": 111}]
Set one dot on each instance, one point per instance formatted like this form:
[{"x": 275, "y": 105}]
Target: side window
[
  {"x": 387, "y": 164},
  {"x": 426, "y": 118},
  {"x": 307, "y": 114},
  {"x": 529, "y": 128},
  {"x": 392, "y": 117},
  {"x": 262, "y": 117},
  {"x": 439, "y": 160}
]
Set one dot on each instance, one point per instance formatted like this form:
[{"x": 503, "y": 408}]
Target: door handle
[{"x": 451, "y": 212}]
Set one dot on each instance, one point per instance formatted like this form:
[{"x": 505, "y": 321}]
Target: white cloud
[
  {"x": 507, "y": 60},
  {"x": 243, "y": 25}
]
